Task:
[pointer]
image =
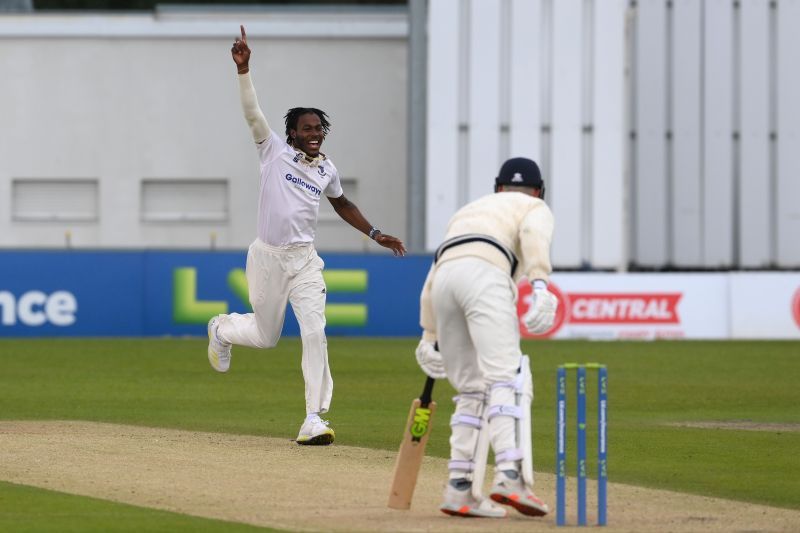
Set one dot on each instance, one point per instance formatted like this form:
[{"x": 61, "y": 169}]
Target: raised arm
[
  {"x": 252, "y": 112},
  {"x": 352, "y": 215}
]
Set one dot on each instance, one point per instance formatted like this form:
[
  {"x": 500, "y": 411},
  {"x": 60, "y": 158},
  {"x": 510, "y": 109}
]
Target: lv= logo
[{"x": 187, "y": 309}]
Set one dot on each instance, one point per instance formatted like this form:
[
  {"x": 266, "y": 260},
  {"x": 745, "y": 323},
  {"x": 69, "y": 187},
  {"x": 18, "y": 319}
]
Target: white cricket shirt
[
  {"x": 520, "y": 222},
  {"x": 291, "y": 189}
]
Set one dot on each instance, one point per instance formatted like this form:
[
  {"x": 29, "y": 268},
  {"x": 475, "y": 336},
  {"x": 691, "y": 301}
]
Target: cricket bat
[{"x": 412, "y": 448}]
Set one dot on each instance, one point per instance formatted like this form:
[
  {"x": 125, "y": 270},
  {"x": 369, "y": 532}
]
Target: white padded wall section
[
  {"x": 788, "y": 107},
  {"x": 442, "y": 138},
  {"x": 755, "y": 188},
  {"x": 608, "y": 150},
  {"x": 717, "y": 134},
  {"x": 565, "y": 189},
  {"x": 525, "y": 71},
  {"x": 484, "y": 97},
  {"x": 686, "y": 235},
  {"x": 650, "y": 179},
  {"x": 547, "y": 79}
]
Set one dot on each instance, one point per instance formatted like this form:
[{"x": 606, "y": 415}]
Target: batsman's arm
[
  {"x": 535, "y": 236},
  {"x": 427, "y": 317}
]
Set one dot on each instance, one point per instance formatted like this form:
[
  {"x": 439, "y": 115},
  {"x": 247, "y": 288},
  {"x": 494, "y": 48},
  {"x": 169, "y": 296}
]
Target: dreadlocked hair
[{"x": 294, "y": 113}]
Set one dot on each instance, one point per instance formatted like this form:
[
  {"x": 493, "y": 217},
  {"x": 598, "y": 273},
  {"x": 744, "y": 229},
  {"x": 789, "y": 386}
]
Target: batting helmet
[{"x": 522, "y": 172}]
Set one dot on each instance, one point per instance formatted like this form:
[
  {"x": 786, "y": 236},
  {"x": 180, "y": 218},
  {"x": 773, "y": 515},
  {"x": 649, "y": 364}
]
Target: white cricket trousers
[
  {"x": 275, "y": 276},
  {"x": 478, "y": 334}
]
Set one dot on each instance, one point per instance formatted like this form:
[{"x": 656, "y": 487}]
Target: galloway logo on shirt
[{"x": 304, "y": 185}]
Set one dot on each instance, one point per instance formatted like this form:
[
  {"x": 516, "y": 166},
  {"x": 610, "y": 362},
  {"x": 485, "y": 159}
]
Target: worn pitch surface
[{"x": 274, "y": 482}]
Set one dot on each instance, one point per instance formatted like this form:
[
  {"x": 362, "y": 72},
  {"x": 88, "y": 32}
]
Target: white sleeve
[
  {"x": 252, "y": 112},
  {"x": 334, "y": 188},
  {"x": 535, "y": 236},
  {"x": 427, "y": 318}
]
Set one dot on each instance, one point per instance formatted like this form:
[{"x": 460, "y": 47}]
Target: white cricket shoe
[
  {"x": 315, "y": 431},
  {"x": 510, "y": 489},
  {"x": 219, "y": 353},
  {"x": 459, "y": 501}
]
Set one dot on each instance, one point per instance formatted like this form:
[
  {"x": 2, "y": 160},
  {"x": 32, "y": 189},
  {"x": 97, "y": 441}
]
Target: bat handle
[{"x": 427, "y": 392}]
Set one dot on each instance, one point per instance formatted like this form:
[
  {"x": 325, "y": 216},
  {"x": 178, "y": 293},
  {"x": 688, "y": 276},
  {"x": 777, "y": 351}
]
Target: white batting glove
[
  {"x": 542, "y": 313},
  {"x": 430, "y": 360}
]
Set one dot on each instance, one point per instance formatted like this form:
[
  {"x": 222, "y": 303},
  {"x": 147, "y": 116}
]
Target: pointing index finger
[{"x": 244, "y": 35}]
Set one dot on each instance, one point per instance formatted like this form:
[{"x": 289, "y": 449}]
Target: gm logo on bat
[{"x": 422, "y": 417}]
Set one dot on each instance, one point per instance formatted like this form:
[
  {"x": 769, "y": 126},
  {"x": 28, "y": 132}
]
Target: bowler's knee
[
  {"x": 266, "y": 341},
  {"x": 315, "y": 337}
]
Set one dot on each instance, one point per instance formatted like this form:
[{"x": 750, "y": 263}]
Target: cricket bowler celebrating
[
  {"x": 468, "y": 305},
  {"x": 282, "y": 264}
]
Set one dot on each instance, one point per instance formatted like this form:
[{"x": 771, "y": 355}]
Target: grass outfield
[
  {"x": 655, "y": 388},
  {"x": 29, "y": 509}
]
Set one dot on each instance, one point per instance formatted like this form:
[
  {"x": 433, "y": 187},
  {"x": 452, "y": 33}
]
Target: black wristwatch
[{"x": 373, "y": 232}]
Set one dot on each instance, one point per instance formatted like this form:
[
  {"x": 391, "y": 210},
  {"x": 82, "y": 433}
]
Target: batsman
[{"x": 468, "y": 305}]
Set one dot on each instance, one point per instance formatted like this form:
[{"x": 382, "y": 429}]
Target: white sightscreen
[
  {"x": 755, "y": 189},
  {"x": 667, "y": 131},
  {"x": 608, "y": 188},
  {"x": 566, "y": 184},
  {"x": 788, "y": 178},
  {"x": 484, "y": 98},
  {"x": 686, "y": 204},
  {"x": 650, "y": 178},
  {"x": 718, "y": 133},
  {"x": 525, "y": 71},
  {"x": 442, "y": 110}
]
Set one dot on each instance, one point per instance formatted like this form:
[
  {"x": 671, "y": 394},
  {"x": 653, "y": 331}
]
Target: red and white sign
[
  {"x": 624, "y": 308},
  {"x": 765, "y": 305},
  {"x": 739, "y": 305},
  {"x": 796, "y": 307},
  {"x": 638, "y": 306}
]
